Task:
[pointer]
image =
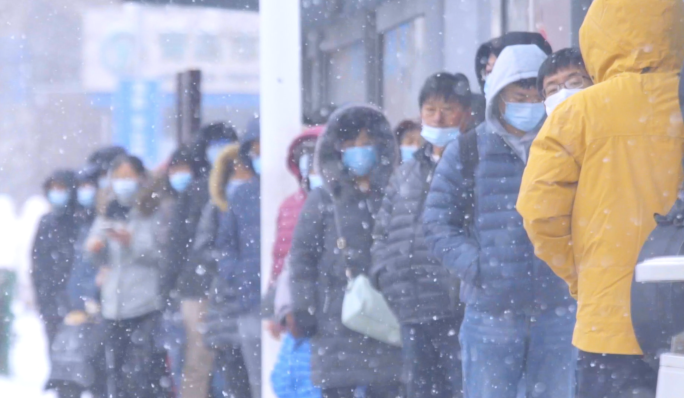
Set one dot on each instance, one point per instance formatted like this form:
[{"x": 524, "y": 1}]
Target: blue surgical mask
[
  {"x": 304, "y": 165},
  {"x": 231, "y": 187},
  {"x": 315, "y": 181},
  {"x": 103, "y": 182},
  {"x": 214, "y": 150},
  {"x": 58, "y": 197},
  {"x": 180, "y": 181},
  {"x": 407, "y": 152},
  {"x": 256, "y": 164},
  {"x": 125, "y": 190},
  {"x": 360, "y": 159},
  {"x": 86, "y": 196},
  {"x": 439, "y": 136},
  {"x": 524, "y": 116}
]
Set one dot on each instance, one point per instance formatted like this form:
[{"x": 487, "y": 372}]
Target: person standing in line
[
  {"x": 419, "y": 289},
  {"x": 219, "y": 323},
  {"x": 355, "y": 156},
  {"x": 519, "y": 318},
  {"x": 606, "y": 161},
  {"x": 53, "y": 250},
  {"x": 126, "y": 243},
  {"x": 239, "y": 266},
  {"x": 408, "y": 138}
]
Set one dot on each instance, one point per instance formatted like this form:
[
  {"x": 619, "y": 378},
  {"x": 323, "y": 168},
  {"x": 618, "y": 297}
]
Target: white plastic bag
[{"x": 365, "y": 311}]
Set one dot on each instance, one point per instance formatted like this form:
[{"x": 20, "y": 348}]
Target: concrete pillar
[
  {"x": 281, "y": 114},
  {"x": 467, "y": 24}
]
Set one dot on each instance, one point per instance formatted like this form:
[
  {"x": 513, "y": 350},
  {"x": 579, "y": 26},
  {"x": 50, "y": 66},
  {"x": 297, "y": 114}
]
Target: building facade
[{"x": 381, "y": 51}]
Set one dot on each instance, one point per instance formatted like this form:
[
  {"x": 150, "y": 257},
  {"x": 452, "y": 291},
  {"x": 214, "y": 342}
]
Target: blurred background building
[{"x": 80, "y": 73}]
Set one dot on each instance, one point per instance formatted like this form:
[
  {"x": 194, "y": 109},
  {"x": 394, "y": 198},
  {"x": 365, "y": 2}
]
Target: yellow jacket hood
[{"x": 637, "y": 36}]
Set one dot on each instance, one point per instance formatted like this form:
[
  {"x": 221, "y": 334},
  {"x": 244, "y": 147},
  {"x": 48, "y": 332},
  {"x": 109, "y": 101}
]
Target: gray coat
[
  {"x": 131, "y": 289},
  {"x": 341, "y": 357}
]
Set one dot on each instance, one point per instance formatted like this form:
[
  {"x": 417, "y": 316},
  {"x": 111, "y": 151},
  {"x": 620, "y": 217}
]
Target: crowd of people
[{"x": 502, "y": 232}]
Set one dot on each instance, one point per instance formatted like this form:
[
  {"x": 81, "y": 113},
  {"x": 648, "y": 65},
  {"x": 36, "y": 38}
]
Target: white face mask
[{"x": 554, "y": 100}]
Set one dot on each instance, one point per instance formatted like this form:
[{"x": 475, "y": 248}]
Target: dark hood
[
  {"x": 329, "y": 148},
  {"x": 312, "y": 134},
  {"x": 252, "y": 134},
  {"x": 68, "y": 179}
]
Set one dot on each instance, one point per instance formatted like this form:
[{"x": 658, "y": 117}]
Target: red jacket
[{"x": 290, "y": 208}]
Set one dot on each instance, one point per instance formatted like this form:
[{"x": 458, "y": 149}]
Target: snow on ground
[{"x": 28, "y": 357}]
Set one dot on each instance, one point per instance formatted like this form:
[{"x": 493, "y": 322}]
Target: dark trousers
[
  {"x": 232, "y": 366},
  {"x": 432, "y": 366},
  {"x": 136, "y": 366},
  {"x": 393, "y": 391},
  {"x": 614, "y": 376}
]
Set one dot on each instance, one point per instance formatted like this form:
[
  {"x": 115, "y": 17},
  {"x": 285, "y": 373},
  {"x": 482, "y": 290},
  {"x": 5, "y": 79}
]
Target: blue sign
[{"x": 137, "y": 119}]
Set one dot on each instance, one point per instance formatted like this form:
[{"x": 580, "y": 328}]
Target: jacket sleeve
[
  {"x": 280, "y": 246},
  {"x": 147, "y": 241},
  {"x": 39, "y": 254},
  {"x": 445, "y": 215},
  {"x": 227, "y": 242},
  {"x": 307, "y": 245},
  {"x": 548, "y": 192},
  {"x": 204, "y": 249},
  {"x": 381, "y": 228}
]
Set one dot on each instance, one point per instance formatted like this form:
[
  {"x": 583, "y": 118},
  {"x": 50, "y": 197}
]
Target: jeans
[
  {"x": 432, "y": 359},
  {"x": 499, "y": 350},
  {"x": 614, "y": 376},
  {"x": 231, "y": 365},
  {"x": 249, "y": 328},
  {"x": 363, "y": 392},
  {"x": 198, "y": 358},
  {"x": 136, "y": 368}
]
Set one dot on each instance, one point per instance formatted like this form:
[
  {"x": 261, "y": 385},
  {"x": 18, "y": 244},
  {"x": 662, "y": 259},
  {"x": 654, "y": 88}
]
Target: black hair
[
  {"x": 404, "y": 127},
  {"x": 217, "y": 131},
  {"x": 132, "y": 160},
  {"x": 526, "y": 83},
  {"x": 184, "y": 155},
  {"x": 445, "y": 85},
  {"x": 496, "y": 46},
  {"x": 562, "y": 59}
]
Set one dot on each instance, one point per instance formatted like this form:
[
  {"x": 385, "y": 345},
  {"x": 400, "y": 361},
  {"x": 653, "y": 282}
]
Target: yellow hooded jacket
[{"x": 606, "y": 161}]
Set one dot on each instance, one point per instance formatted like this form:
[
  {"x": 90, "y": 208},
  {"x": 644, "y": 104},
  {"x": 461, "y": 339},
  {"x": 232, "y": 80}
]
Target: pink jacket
[{"x": 291, "y": 207}]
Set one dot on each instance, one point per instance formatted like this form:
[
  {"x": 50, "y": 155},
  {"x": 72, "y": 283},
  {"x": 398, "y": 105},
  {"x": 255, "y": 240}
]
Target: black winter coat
[
  {"x": 53, "y": 258},
  {"x": 341, "y": 357},
  {"x": 416, "y": 285},
  {"x": 187, "y": 210}
]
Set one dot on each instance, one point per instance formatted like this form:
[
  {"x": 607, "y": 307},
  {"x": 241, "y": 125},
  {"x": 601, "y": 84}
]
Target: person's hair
[
  {"x": 131, "y": 160},
  {"x": 562, "y": 59},
  {"x": 404, "y": 127},
  {"x": 184, "y": 155},
  {"x": 526, "y": 83},
  {"x": 218, "y": 131},
  {"x": 497, "y": 45},
  {"x": 450, "y": 87}
]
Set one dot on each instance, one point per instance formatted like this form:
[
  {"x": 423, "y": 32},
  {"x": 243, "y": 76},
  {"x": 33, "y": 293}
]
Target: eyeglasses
[{"x": 574, "y": 81}]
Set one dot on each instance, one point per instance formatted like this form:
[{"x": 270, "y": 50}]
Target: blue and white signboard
[{"x": 137, "y": 119}]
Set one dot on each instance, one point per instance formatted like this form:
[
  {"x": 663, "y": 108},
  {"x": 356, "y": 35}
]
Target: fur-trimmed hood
[
  {"x": 343, "y": 125},
  {"x": 220, "y": 174}
]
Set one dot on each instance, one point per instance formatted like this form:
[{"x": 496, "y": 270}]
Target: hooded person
[
  {"x": 519, "y": 317},
  {"x": 486, "y": 55},
  {"x": 355, "y": 156},
  {"x": 606, "y": 161},
  {"x": 239, "y": 266},
  {"x": 300, "y": 161},
  {"x": 53, "y": 249}
]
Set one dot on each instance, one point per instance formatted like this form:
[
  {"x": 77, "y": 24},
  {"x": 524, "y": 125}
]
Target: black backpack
[{"x": 657, "y": 314}]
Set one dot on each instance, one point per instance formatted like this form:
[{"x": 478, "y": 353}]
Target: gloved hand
[{"x": 302, "y": 324}]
